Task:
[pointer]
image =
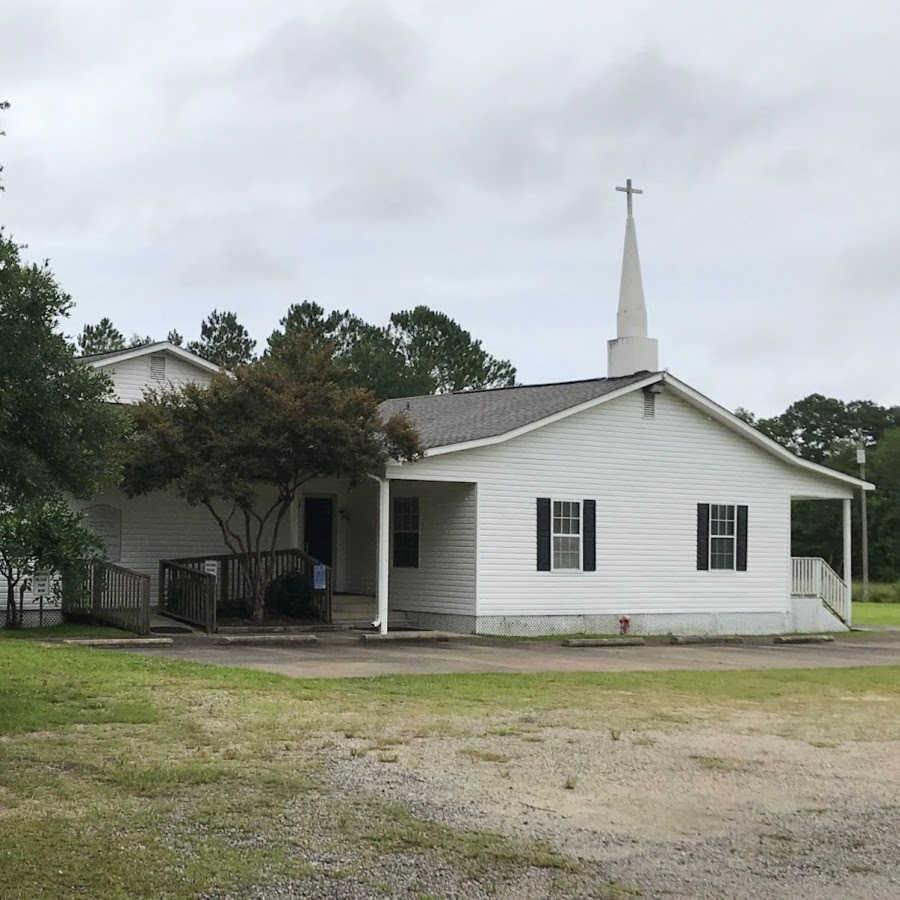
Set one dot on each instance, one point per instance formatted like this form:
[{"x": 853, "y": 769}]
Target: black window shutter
[
  {"x": 702, "y": 535},
  {"x": 543, "y": 534},
  {"x": 741, "y": 555},
  {"x": 589, "y": 552}
]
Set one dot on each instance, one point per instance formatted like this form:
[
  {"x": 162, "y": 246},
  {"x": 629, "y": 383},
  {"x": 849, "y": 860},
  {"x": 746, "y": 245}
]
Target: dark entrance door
[{"x": 318, "y": 528}]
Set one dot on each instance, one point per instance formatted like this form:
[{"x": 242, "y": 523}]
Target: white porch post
[
  {"x": 383, "y": 561},
  {"x": 848, "y": 567}
]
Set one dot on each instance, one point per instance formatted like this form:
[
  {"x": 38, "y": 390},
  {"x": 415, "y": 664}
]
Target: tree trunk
[{"x": 10, "y": 603}]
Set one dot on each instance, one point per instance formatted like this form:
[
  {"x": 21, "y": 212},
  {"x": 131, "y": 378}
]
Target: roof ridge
[
  {"x": 123, "y": 350},
  {"x": 517, "y": 387}
]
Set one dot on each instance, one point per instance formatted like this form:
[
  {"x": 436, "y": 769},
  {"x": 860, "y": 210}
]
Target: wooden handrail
[
  {"x": 109, "y": 593},
  {"x": 173, "y": 564},
  {"x": 230, "y": 586}
]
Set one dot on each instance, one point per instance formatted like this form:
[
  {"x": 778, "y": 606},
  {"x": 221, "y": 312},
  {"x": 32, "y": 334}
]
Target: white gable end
[{"x": 159, "y": 369}]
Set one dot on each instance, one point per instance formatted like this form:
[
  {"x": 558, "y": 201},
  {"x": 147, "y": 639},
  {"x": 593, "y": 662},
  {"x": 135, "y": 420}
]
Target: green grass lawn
[
  {"x": 876, "y": 614},
  {"x": 126, "y": 776},
  {"x": 59, "y": 632}
]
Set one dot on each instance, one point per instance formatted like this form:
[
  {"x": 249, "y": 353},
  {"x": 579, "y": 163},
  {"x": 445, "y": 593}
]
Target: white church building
[{"x": 543, "y": 509}]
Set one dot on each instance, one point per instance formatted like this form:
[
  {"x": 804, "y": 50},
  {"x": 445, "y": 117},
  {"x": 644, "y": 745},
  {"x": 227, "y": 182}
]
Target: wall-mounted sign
[
  {"x": 319, "y": 577},
  {"x": 106, "y": 523},
  {"x": 211, "y": 567}
]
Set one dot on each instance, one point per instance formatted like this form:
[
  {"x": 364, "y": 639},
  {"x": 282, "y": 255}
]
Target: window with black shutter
[
  {"x": 566, "y": 535},
  {"x": 721, "y": 537}
]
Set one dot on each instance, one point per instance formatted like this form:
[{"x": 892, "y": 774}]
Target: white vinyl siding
[
  {"x": 647, "y": 483},
  {"x": 132, "y": 377},
  {"x": 444, "y": 582},
  {"x": 160, "y": 526}
]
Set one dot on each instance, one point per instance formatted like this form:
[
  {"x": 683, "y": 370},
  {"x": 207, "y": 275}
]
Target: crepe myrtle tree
[
  {"x": 243, "y": 446},
  {"x": 39, "y": 535}
]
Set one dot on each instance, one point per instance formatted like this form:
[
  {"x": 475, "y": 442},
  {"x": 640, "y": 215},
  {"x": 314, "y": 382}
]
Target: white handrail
[{"x": 811, "y": 576}]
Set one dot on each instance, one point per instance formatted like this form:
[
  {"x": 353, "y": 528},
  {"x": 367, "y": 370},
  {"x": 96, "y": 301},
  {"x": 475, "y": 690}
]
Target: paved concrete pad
[{"x": 344, "y": 655}]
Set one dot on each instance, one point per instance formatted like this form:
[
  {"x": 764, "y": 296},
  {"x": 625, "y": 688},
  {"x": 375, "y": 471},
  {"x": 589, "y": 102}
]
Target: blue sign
[{"x": 319, "y": 577}]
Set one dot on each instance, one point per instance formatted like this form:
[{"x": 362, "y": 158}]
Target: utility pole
[{"x": 861, "y": 459}]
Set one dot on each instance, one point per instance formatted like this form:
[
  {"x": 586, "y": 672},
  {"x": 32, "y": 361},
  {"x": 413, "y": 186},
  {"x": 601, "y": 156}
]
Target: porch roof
[{"x": 446, "y": 419}]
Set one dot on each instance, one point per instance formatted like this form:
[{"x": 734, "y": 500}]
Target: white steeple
[{"x": 632, "y": 351}]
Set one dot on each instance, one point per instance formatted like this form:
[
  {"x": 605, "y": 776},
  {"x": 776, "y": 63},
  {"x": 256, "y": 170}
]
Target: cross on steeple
[{"x": 629, "y": 190}]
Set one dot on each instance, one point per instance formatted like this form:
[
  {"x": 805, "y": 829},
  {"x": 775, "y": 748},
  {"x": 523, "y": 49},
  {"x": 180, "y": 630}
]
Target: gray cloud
[
  {"x": 363, "y": 46},
  {"x": 171, "y": 158}
]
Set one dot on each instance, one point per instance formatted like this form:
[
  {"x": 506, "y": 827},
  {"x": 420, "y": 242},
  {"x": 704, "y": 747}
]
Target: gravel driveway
[{"x": 705, "y": 814}]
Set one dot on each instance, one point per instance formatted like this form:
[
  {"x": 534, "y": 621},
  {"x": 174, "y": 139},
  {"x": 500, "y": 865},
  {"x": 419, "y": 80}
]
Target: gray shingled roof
[{"x": 444, "y": 419}]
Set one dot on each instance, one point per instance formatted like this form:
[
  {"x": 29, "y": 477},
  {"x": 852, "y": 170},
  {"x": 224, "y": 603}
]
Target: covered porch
[
  {"x": 814, "y": 579},
  {"x": 379, "y": 554}
]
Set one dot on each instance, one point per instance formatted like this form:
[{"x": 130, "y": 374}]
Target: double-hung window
[
  {"x": 722, "y": 537},
  {"x": 566, "y": 534},
  {"x": 406, "y": 532}
]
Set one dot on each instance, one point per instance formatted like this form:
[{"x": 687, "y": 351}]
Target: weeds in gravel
[
  {"x": 484, "y": 755},
  {"x": 570, "y": 783},
  {"x": 723, "y": 763}
]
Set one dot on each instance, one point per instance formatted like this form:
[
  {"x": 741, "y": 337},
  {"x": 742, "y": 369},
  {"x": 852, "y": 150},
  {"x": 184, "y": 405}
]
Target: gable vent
[
  {"x": 158, "y": 367},
  {"x": 649, "y": 405}
]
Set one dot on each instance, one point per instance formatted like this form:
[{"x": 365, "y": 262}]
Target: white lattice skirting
[{"x": 806, "y": 615}]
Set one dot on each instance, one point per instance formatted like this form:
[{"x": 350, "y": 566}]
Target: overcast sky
[{"x": 173, "y": 157}]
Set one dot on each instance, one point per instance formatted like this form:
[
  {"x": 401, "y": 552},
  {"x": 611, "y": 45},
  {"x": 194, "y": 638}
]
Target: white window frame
[
  {"x": 554, "y": 534},
  {"x": 733, "y": 536},
  {"x": 395, "y": 530}
]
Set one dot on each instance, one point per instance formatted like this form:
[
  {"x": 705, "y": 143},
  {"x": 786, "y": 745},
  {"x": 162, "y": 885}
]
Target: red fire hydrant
[{"x": 624, "y": 624}]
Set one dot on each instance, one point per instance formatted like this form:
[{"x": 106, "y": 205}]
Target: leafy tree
[
  {"x": 173, "y": 337},
  {"x": 223, "y": 340},
  {"x": 884, "y": 507},
  {"x": 58, "y": 432},
  {"x": 100, "y": 338},
  {"x": 419, "y": 352},
  {"x": 814, "y": 426},
  {"x": 334, "y": 328},
  {"x": 38, "y": 535},
  {"x": 243, "y": 447},
  {"x": 826, "y": 430},
  {"x": 433, "y": 344}
]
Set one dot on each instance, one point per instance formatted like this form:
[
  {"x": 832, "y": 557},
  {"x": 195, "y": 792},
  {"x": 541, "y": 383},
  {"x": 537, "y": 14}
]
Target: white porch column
[
  {"x": 382, "y": 562},
  {"x": 848, "y": 567}
]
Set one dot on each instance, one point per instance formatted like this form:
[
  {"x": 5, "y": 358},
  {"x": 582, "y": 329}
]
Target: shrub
[
  {"x": 291, "y": 595},
  {"x": 878, "y": 593}
]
